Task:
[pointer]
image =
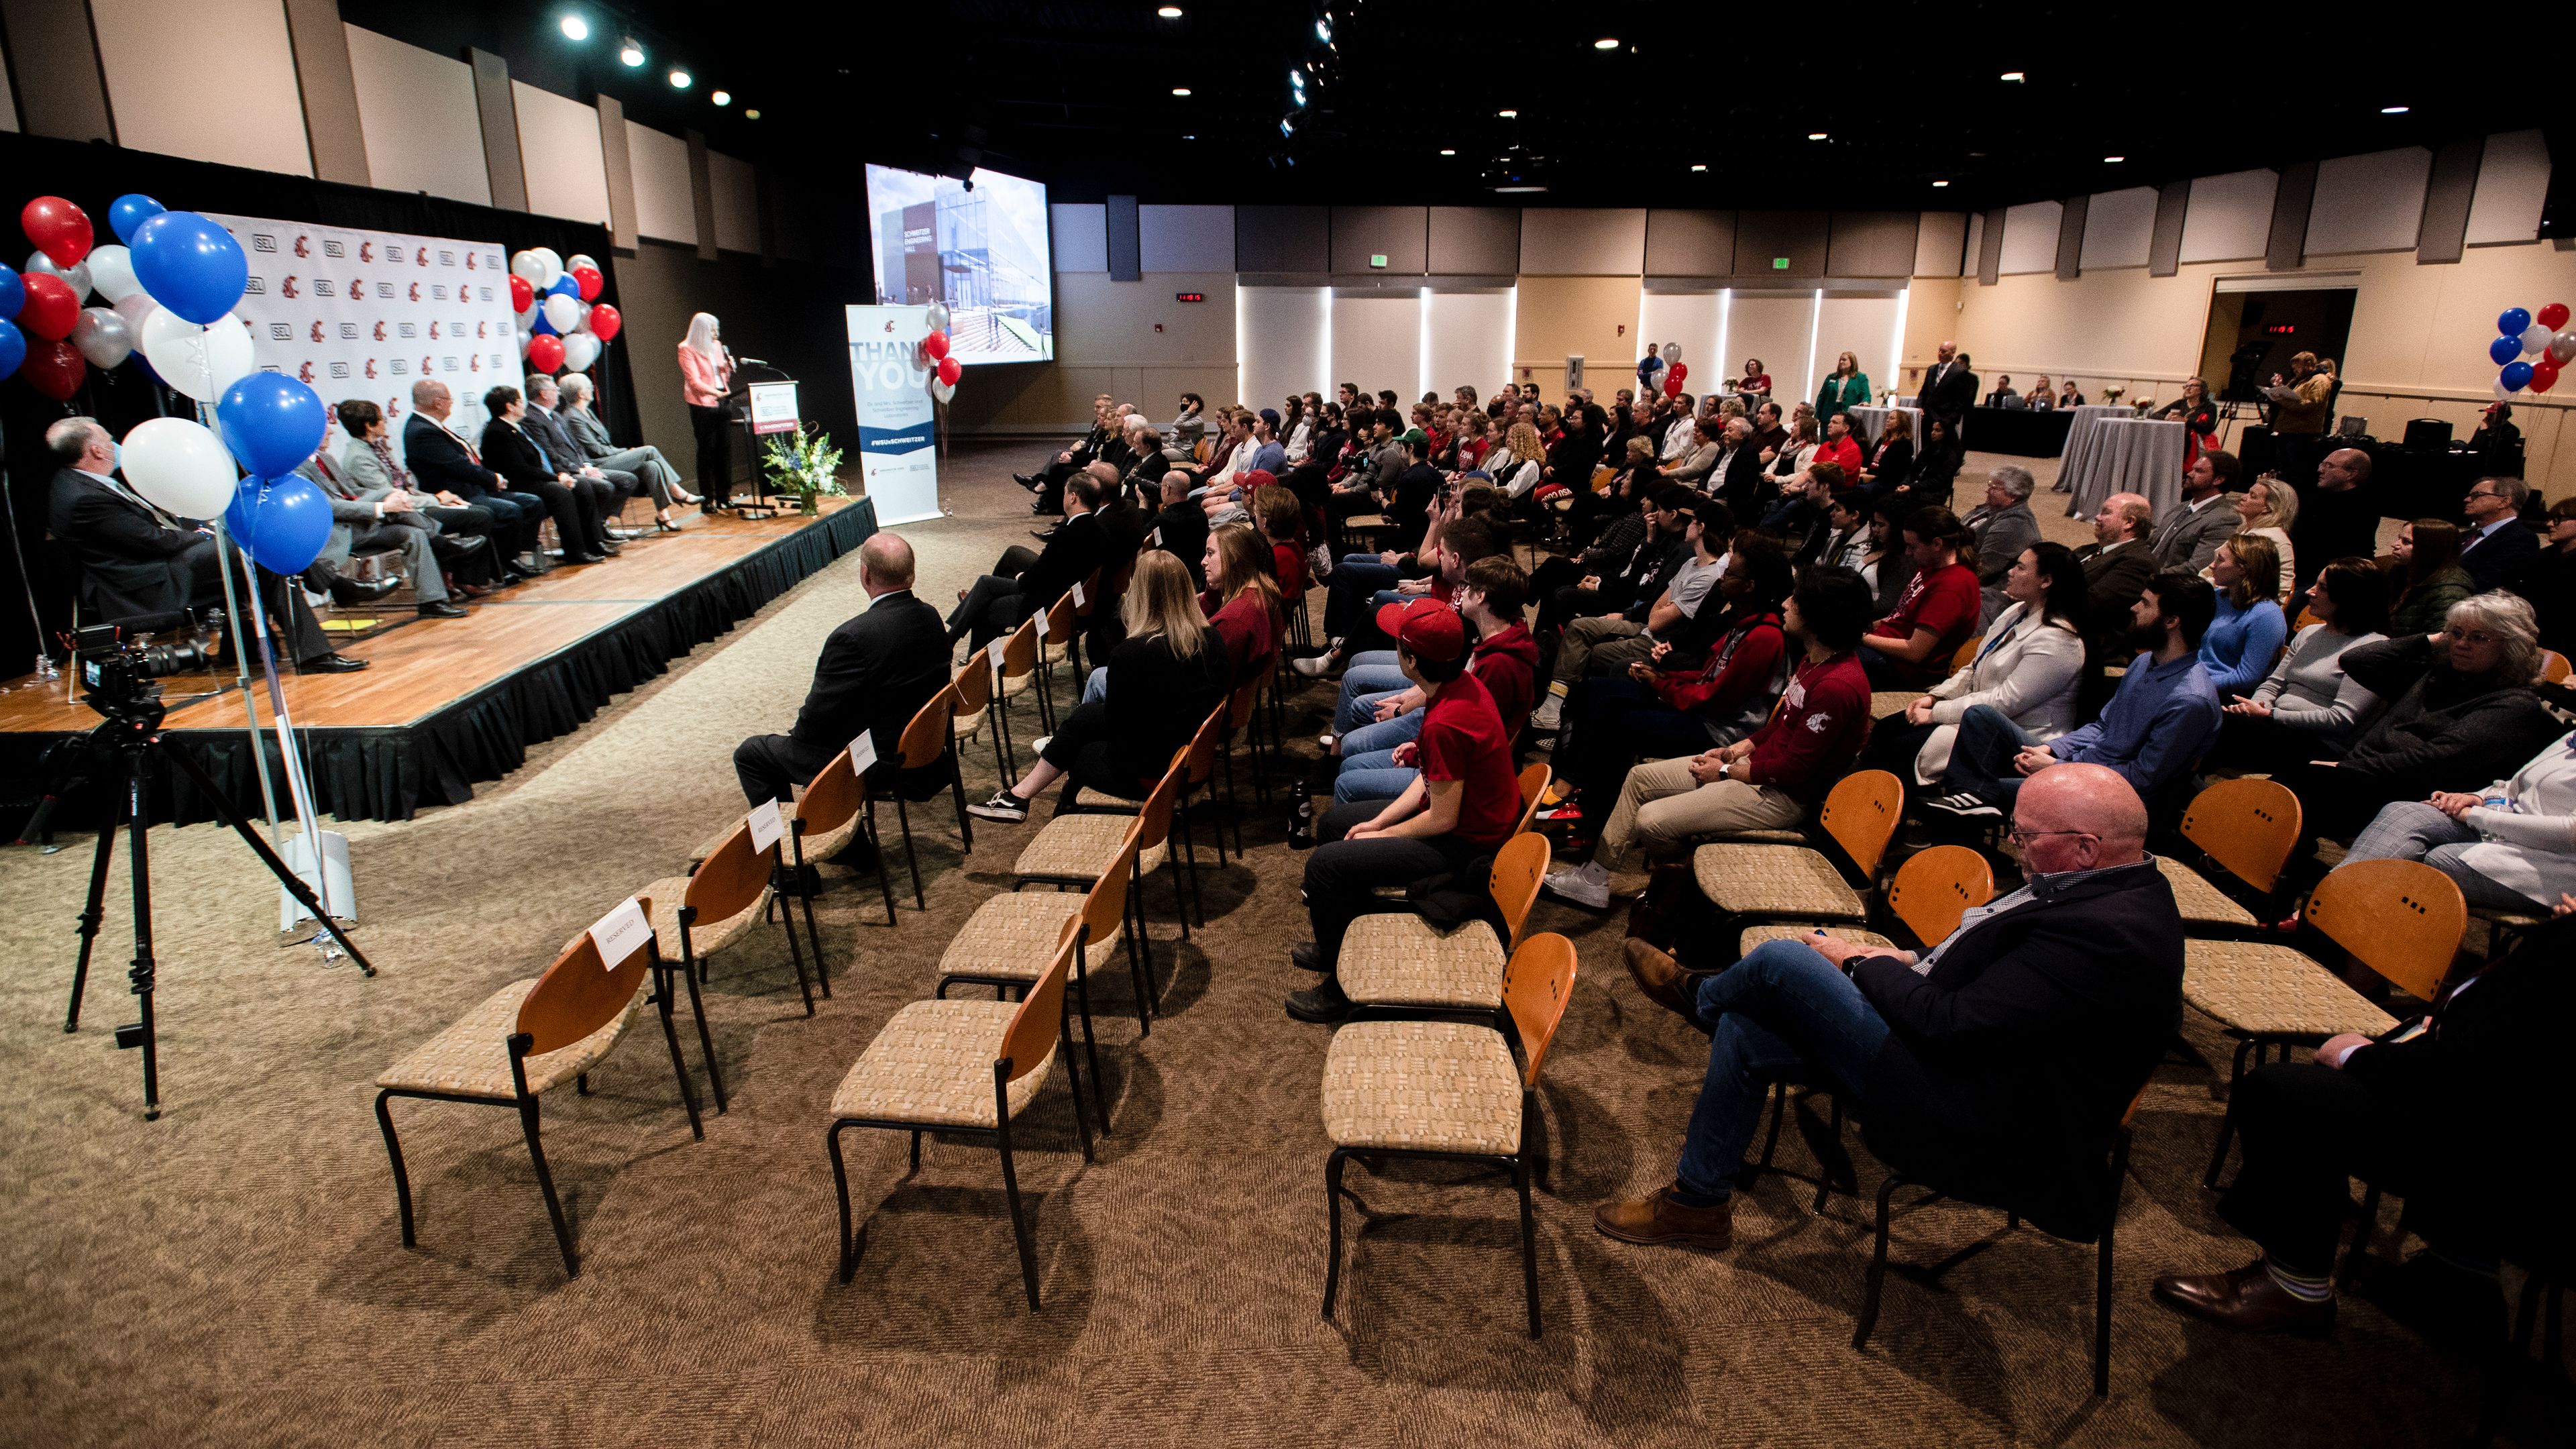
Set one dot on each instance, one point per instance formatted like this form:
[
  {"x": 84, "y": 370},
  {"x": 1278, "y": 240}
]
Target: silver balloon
[
  {"x": 942, "y": 390},
  {"x": 102, "y": 336},
  {"x": 579, "y": 260},
  {"x": 2562, "y": 348},
  {"x": 75, "y": 276},
  {"x": 937, "y": 316},
  {"x": 136, "y": 310}
]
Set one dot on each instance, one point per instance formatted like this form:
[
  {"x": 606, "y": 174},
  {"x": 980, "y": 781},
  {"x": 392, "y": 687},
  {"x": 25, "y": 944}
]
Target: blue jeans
[
  {"x": 1367, "y": 679},
  {"x": 2413, "y": 830},
  {"x": 1373, "y": 776},
  {"x": 1981, "y": 758},
  {"x": 1781, "y": 1011},
  {"x": 1380, "y": 736},
  {"x": 1096, "y": 688}
]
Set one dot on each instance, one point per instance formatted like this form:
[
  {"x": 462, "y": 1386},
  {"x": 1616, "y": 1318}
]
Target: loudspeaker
[{"x": 2430, "y": 434}]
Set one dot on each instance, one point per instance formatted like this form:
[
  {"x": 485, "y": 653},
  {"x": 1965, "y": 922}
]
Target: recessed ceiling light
[
  {"x": 751, "y": 115},
  {"x": 1699, "y": 168},
  {"x": 1324, "y": 31},
  {"x": 1180, "y": 90},
  {"x": 2012, "y": 75},
  {"x": 1448, "y": 151},
  {"x": 1506, "y": 114},
  {"x": 576, "y": 28},
  {"x": 2115, "y": 158},
  {"x": 1815, "y": 135},
  {"x": 1607, "y": 42},
  {"x": 680, "y": 79},
  {"x": 2392, "y": 110},
  {"x": 1940, "y": 183},
  {"x": 1170, "y": 12},
  {"x": 1518, "y": 190},
  {"x": 722, "y": 98},
  {"x": 630, "y": 52}
]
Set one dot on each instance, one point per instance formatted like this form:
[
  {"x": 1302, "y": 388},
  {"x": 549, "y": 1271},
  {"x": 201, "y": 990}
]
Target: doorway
[{"x": 2252, "y": 335}]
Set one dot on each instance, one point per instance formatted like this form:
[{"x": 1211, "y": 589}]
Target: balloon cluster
[
  {"x": 1675, "y": 370},
  {"x": 2545, "y": 339},
  {"x": 171, "y": 286},
  {"x": 944, "y": 370},
  {"x": 562, "y": 322}
]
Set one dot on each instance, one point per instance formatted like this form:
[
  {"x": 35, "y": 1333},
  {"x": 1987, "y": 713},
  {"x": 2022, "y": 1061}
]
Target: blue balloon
[
  {"x": 190, "y": 265},
  {"x": 241, "y": 516},
  {"x": 2504, "y": 349},
  {"x": 2514, "y": 322},
  {"x": 130, "y": 211},
  {"x": 290, "y": 521},
  {"x": 565, "y": 286},
  {"x": 271, "y": 422},
  {"x": 13, "y": 293},
  {"x": 542, "y": 328},
  {"x": 2516, "y": 376},
  {"x": 13, "y": 348}
]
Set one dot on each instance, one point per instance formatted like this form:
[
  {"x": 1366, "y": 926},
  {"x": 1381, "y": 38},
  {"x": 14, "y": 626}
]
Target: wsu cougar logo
[
  {"x": 393, "y": 406},
  {"x": 301, "y": 249},
  {"x": 380, "y": 331},
  {"x": 371, "y": 369},
  {"x": 424, "y": 364},
  {"x": 415, "y": 291},
  {"x": 317, "y": 331},
  {"x": 286, "y": 288},
  {"x": 366, "y": 251},
  {"x": 474, "y": 363},
  {"x": 304, "y": 373},
  {"x": 433, "y": 332},
  {"x": 482, "y": 329},
  {"x": 421, "y": 255},
  {"x": 469, "y": 261}
]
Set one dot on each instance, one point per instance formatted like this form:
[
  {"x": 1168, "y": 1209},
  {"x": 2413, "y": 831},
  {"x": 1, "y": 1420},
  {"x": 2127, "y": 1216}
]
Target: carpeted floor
[{"x": 232, "y": 1274}]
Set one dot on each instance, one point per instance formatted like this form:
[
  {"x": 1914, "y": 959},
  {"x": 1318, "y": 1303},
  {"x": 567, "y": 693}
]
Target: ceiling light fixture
[
  {"x": 576, "y": 28},
  {"x": 722, "y": 98},
  {"x": 1448, "y": 151},
  {"x": 2393, "y": 110},
  {"x": 2114, "y": 159},
  {"x": 1815, "y": 135},
  {"x": 630, "y": 52},
  {"x": 1170, "y": 12},
  {"x": 1180, "y": 90},
  {"x": 1324, "y": 31},
  {"x": 1507, "y": 114},
  {"x": 751, "y": 115},
  {"x": 1607, "y": 42},
  {"x": 1518, "y": 190},
  {"x": 1699, "y": 168},
  {"x": 1940, "y": 183},
  {"x": 680, "y": 79},
  {"x": 2012, "y": 75}
]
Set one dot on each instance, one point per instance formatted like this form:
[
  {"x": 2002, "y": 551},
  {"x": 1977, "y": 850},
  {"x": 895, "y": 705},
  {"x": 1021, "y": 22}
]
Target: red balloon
[
  {"x": 936, "y": 344},
  {"x": 545, "y": 352},
  {"x": 50, "y": 309},
  {"x": 950, "y": 370},
  {"x": 54, "y": 368},
  {"x": 2544, "y": 373},
  {"x": 1673, "y": 376},
  {"x": 590, "y": 281},
  {"x": 2553, "y": 316},
  {"x": 59, "y": 229},
  {"x": 523, "y": 293},
  {"x": 604, "y": 322}
]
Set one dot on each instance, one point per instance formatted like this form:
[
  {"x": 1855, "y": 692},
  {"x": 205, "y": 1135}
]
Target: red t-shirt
[
  {"x": 1245, "y": 627},
  {"x": 1507, "y": 665},
  {"x": 1846, "y": 455},
  {"x": 1942, "y": 600},
  {"x": 1290, "y": 567},
  {"x": 1817, "y": 731},
  {"x": 1463, "y": 740}
]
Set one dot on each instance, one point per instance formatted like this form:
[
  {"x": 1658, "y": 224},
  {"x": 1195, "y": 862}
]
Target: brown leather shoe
[
  {"x": 1662, "y": 979},
  {"x": 1656, "y": 1220},
  {"x": 2247, "y": 1299}
]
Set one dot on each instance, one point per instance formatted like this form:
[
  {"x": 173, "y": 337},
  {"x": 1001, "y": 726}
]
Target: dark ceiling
[{"x": 1078, "y": 94}]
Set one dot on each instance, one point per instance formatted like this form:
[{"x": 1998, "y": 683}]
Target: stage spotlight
[
  {"x": 722, "y": 98},
  {"x": 680, "y": 79},
  {"x": 1324, "y": 31},
  {"x": 630, "y": 52},
  {"x": 576, "y": 28}
]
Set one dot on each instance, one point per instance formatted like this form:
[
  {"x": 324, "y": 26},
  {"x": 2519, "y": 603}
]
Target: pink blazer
[{"x": 702, "y": 383}]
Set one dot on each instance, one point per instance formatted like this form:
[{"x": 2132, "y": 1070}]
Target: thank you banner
[{"x": 898, "y": 442}]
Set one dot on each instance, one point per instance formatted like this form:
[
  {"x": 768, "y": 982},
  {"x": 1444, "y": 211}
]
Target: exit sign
[
  {"x": 1189, "y": 296},
  {"x": 1377, "y": 259},
  {"x": 1779, "y": 264}
]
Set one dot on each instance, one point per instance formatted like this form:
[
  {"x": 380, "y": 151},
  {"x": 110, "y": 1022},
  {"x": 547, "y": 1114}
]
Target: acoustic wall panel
[
  {"x": 1689, "y": 243},
  {"x": 1398, "y": 233},
  {"x": 1871, "y": 244},
  {"x": 663, "y": 207},
  {"x": 1283, "y": 239},
  {"x": 1585, "y": 242},
  {"x": 737, "y": 203},
  {"x": 1185, "y": 238},
  {"x": 1940, "y": 247},
  {"x": 2030, "y": 238},
  {"x": 1475, "y": 241},
  {"x": 1470, "y": 339},
  {"x": 1078, "y": 236},
  {"x": 2513, "y": 180},
  {"x": 416, "y": 114},
  {"x": 211, "y": 80},
  {"x": 2370, "y": 203},
  {"x": 2119, "y": 227},
  {"x": 1280, "y": 335},
  {"x": 1781, "y": 245},
  {"x": 559, "y": 150},
  {"x": 2230, "y": 217}
]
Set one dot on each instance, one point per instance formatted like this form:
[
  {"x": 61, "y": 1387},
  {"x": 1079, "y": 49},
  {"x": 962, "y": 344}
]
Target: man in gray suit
[
  {"x": 2188, "y": 537},
  {"x": 545, "y": 424},
  {"x": 591, "y": 435},
  {"x": 388, "y": 522}
]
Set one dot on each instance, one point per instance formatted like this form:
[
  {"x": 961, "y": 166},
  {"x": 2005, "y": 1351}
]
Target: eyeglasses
[
  {"x": 2022, "y": 838},
  {"x": 2475, "y": 637}
]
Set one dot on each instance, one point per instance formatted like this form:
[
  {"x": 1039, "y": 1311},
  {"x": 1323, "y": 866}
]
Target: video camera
[{"x": 121, "y": 665}]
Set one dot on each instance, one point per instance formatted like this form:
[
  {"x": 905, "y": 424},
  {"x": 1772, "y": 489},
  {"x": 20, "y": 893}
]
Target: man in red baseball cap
[{"x": 1461, "y": 810}]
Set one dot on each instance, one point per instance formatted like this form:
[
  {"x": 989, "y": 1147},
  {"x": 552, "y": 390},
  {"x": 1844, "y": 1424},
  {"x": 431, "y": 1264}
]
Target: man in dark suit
[
  {"x": 1181, "y": 526},
  {"x": 2117, "y": 565},
  {"x": 137, "y": 559},
  {"x": 1949, "y": 389},
  {"x": 1995, "y": 1068},
  {"x": 2004, "y": 397},
  {"x": 608, "y": 487},
  {"x": 445, "y": 462},
  {"x": 876, "y": 672},
  {"x": 2496, "y": 540},
  {"x": 1023, "y": 583},
  {"x": 508, "y": 450},
  {"x": 1736, "y": 478},
  {"x": 389, "y": 524}
]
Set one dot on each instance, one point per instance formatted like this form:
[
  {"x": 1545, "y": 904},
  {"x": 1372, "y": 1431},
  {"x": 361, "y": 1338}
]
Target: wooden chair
[
  {"x": 925, "y": 742},
  {"x": 1885, "y": 702},
  {"x": 824, "y": 821},
  {"x": 1200, "y": 785},
  {"x": 1002, "y": 944},
  {"x": 1055, "y": 645},
  {"x": 2113, "y": 1180},
  {"x": 1242, "y": 716},
  {"x": 929, "y": 1070},
  {"x": 2401, "y": 918},
  {"x": 1534, "y": 783},
  {"x": 2246, "y": 828},
  {"x": 2553, "y": 666},
  {"x": 709, "y": 910},
  {"x": 1075, "y": 847},
  {"x": 974, "y": 686},
  {"x": 1396, "y": 963},
  {"x": 1086, "y": 603},
  {"x": 1448, "y": 1091},
  {"x": 524, "y": 1039},
  {"x": 1795, "y": 882},
  {"x": 1015, "y": 672}
]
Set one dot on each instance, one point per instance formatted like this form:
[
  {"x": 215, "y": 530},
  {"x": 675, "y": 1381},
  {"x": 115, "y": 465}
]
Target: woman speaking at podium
[{"x": 706, "y": 375}]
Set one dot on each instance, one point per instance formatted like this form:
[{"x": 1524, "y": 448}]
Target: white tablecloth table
[
  {"x": 1873, "y": 421},
  {"x": 2124, "y": 455},
  {"x": 2073, "y": 463}
]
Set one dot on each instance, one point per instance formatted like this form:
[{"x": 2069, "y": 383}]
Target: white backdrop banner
[
  {"x": 368, "y": 313},
  {"x": 898, "y": 442}
]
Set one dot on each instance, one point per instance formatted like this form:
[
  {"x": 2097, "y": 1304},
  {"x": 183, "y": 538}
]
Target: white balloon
[
  {"x": 563, "y": 313},
  {"x": 103, "y": 337},
  {"x": 1672, "y": 353},
  {"x": 579, "y": 260},
  {"x": 528, "y": 265},
  {"x": 2503, "y": 393},
  {"x": 111, "y": 270},
  {"x": 2536, "y": 338},
  {"x": 137, "y": 310},
  {"x": 181, "y": 466},
  {"x": 75, "y": 276},
  {"x": 580, "y": 351},
  {"x": 2562, "y": 348},
  {"x": 554, "y": 263},
  {"x": 936, "y": 314},
  {"x": 198, "y": 361},
  {"x": 525, "y": 337},
  {"x": 942, "y": 390}
]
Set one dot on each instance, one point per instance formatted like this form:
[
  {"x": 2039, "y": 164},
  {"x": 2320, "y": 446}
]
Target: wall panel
[
  {"x": 1377, "y": 341},
  {"x": 1775, "y": 327},
  {"x": 2372, "y": 203},
  {"x": 1764, "y": 239},
  {"x": 1398, "y": 233},
  {"x": 1692, "y": 320},
  {"x": 211, "y": 80},
  {"x": 1283, "y": 342},
  {"x": 416, "y": 114},
  {"x": 2230, "y": 218},
  {"x": 1078, "y": 237},
  {"x": 1689, "y": 243},
  {"x": 2030, "y": 237},
  {"x": 2119, "y": 228},
  {"x": 1583, "y": 242},
  {"x": 1475, "y": 241},
  {"x": 2513, "y": 179},
  {"x": 1471, "y": 340},
  {"x": 663, "y": 206},
  {"x": 1940, "y": 246},
  {"x": 1871, "y": 244},
  {"x": 1186, "y": 238},
  {"x": 559, "y": 147},
  {"x": 737, "y": 203}
]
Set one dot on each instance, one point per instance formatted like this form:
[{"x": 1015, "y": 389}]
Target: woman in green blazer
[{"x": 1847, "y": 387}]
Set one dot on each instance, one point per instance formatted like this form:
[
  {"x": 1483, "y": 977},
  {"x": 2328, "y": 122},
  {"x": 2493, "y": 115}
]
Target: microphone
[{"x": 755, "y": 361}]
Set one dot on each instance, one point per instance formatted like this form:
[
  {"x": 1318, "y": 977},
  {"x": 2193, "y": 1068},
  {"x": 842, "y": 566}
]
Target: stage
[{"x": 452, "y": 702}]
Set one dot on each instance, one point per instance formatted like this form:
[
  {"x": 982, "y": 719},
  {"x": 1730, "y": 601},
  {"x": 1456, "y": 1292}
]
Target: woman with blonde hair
[
  {"x": 1160, "y": 684},
  {"x": 1847, "y": 387},
  {"x": 2271, "y": 509},
  {"x": 1522, "y": 459},
  {"x": 2240, "y": 644},
  {"x": 706, "y": 375}
]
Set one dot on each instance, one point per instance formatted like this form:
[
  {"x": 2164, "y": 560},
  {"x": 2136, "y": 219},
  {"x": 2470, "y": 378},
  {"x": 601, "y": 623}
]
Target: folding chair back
[
  {"x": 2553, "y": 666},
  {"x": 1203, "y": 747},
  {"x": 925, "y": 740},
  {"x": 1966, "y": 654},
  {"x": 1033, "y": 1029},
  {"x": 580, "y": 993},
  {"x": 1104, "y": 907},
  {"x": 2401, "y": 918},
  {"x": 1059, "y": 627},
  {"x": 730, "y": 881},
  {"x": 1518, "y": 868},
  {"x": 1938, "y": 886},
  {"x": 1089, "y": 601},
  {"x": 1020, "y": 656},
  {"x": 1537, "y": 982},
  {"x": 1238, "y": 706},
  {"x": 1534, "y": 783},
  {"x": 1861, "y": 816},
  {"x": 833, "y": 797},
  {"x": 974, "y": 688},
  {"x": 1154, "y": 822},
  {"x": 2247, "y": 826}
]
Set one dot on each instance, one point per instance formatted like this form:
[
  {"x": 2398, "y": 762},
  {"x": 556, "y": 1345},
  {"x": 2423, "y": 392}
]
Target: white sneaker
[
  {"x": 1038, "y": 746},
  {"x": 1314, "y": 666},
  {"x": 1964, "y": 805},
  {"x": 1550, "y": 714},
  {"x": 1586, "y": 885},
  {"x": 1326, "y": 740}
]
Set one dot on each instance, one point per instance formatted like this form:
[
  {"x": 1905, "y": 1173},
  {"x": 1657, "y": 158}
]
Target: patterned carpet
[{"x": 233, "y": 1273}]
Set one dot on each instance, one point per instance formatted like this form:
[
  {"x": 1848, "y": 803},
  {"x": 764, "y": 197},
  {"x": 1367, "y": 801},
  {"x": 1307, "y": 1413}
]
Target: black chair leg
[
  {"x": 2227, "y": 1123},
  {"x": 957, "y": 790},
  {"x": 546, "y": 1182},
  {"x": 850, "y": 1247},
  {"x": 1877, "y": 1267},
  {"x": 1529, "y": 1243},
  {"x": 1073, "y": 1078},
  {"x": 706, "y": 1040},
  {"x": 2361, "y": 1235},
  {"x": 1131, "y": 929},
  {"x": 796, "y": 954},
  {"x": 1019, "y": 1220},
  {"x": 402, "y": 1179},
  {"x": 911, "y": 856},
  {"x": 813, "y": 937},
  {"x": 876, "y": 844},
  {"x": 1824, "y": 1169},
  {"x": 1333, "y": 1250},
  {"x": 2102, "y": 1316},
  {"x": 671, "y": 1039},
  {"x": 1779, "y": 1109},
  {"x": 1090, "y": 1047}
]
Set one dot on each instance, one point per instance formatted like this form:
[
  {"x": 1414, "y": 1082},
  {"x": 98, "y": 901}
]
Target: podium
[{"x": 761, "y": 402}]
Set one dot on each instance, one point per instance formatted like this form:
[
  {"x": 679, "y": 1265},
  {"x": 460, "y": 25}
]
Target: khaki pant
[
  {"x": 1664, "y": 811},
  {"x": 1576, "y": 645}
]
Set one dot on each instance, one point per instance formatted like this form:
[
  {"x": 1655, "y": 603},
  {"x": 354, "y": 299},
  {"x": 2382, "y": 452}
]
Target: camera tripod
[{"x": 128, "y": 741}]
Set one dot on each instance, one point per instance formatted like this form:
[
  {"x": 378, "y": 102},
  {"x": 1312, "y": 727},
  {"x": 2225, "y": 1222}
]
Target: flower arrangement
[{"x": 806, "y": 464}]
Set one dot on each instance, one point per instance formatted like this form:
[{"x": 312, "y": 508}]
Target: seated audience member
[
  {"x": 1770, "y": 778},
  {"x": 1665, "y": 600},
  {"x": 2548, "y": 580},
  {"x": 447, "y": 464},
  {"x": 1373, "y": 761},
  {"x": 508, "y": 450},
  {"x": 372, "y": 470},
  {"x": 2068, "y": 396},
  {"x": 2269, "y": 509},
  {"x": 1023, "y": 583},
  {"x": 2117, "y": 565},
  {"x": 1364, "y": 584},
  {"x": 2511, "y": 845},
  {"x": 2245, "y": 637},
  {"x": 386, "y": 522},
  {"x": 1840, "y": 447},
  {"x": 136, "y": 559},
  {"x": 1463, "y": 808},
  {"x": 2428, "y": 577},
  {"x": 2027, "y": 668},
  {"x": 2003, "y": 396},
  {"x": 1191, "y": 425},
  {"x": 1735, "y": 476},
  {"x": 1181, "y": 525},
  {"x": 1799, "y": 512},
  {"x": 2339, "y": 516},
  {"x": 1516, "y": 466},
  {"x": 1911, "y": 647},
  {"x": 2308, "y": 708},
  {"x": 2457, "y": 703},
  {"x": 2040, "y": 398},
  {"x": 1996, "y": 1065},
  {"x": 1163, "y": 680},
  {"x": 610, "y": 486},
  {"x": 1603, "y": 576},
  {"x": 1884, "y": 565},
  {"x": 1936, "y": 467},
  {"x": 2448, "y": 1112},
  {"x": 1691, "y": 469},
  {"x": 2003, "y": 527},
  {"x": 1891, "y": 458},
  {"x": 1795, "y": 452},
  {"x": 1241, "y": 602},
  {"x": 2188, "y": 537},
  {"x": 1673, "y": 719},
  {"x": 1770, "y": 435},
  {"x": 1846, "y": 543},
  {"x": 2158, "y": 721},
  {"x": 1048, "y": 483},
  {"x": 1282, "y": 522},
  {"x": 2497, "y": 539},
  {"x": 875, "y": 673},
  {"x": 1375, "y": 672}
]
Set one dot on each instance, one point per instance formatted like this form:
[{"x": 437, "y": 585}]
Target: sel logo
[{"x": 261, "y": 241}]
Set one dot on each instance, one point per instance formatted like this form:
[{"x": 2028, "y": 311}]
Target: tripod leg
[
  {"x": 138, "y": 824},
  {"x": 294, "y": 883},
  {"x": 89, "y": 921}
]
